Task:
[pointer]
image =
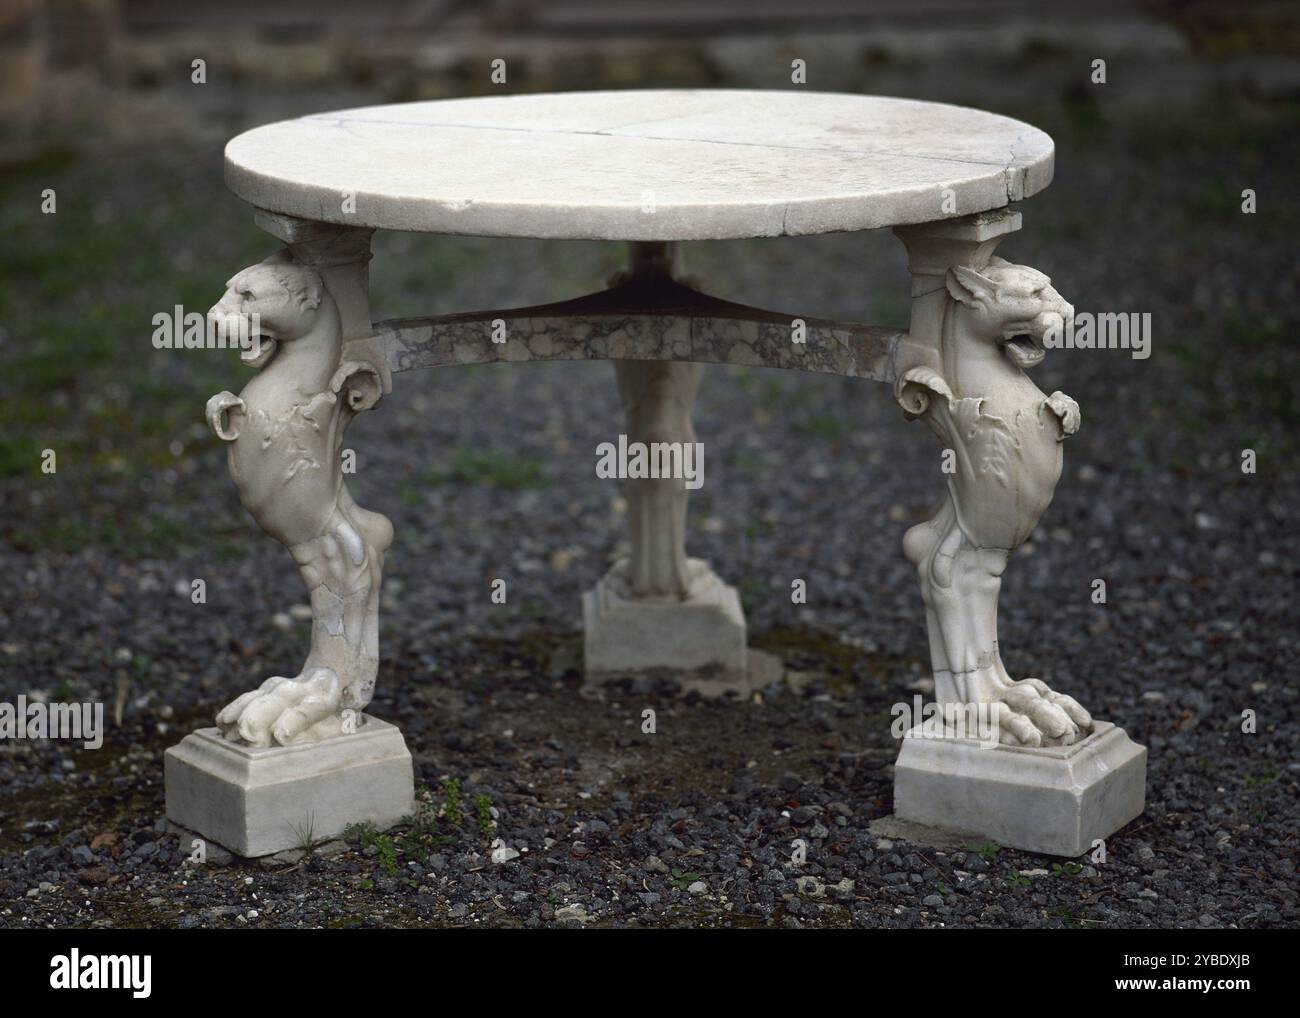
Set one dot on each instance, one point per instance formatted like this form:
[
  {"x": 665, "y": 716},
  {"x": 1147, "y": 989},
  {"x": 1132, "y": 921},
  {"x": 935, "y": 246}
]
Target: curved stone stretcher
[{"x": 659, "y": 320}]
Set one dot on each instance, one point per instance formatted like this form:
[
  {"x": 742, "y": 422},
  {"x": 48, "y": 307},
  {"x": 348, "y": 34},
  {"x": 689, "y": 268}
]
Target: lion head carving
[
  {"x": 274, "y": 301},
  {"x": 1012, "y": 305}
]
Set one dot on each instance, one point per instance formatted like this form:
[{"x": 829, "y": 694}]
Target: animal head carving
[
  {"x": 283, "y": 294},
  {"x": 1011, "y": 305}
]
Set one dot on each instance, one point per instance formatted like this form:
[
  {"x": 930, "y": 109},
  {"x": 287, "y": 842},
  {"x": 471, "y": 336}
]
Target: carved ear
[
  {"x": 301, "y": 282},
  {"x": 969, "y": 287},
  {"x": 309, "y": 297}
]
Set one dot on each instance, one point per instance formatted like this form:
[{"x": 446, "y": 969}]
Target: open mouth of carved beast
[
  {"x": 234, "y": 328},
  {"x": 259, "y": 350},
  {"x": 1023, "y": 348}
]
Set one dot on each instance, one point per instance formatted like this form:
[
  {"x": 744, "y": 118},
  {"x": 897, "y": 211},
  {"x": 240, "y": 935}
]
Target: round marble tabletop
[{"x": 641, "y": 165}]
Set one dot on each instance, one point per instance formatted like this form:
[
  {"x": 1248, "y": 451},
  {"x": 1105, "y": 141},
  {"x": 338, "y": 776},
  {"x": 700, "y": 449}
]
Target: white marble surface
[
  {"x": 284, "y": 435},
  {"x": 641, "y": 165},
  {"x": 1056, "y": 800},
  {"x": 623, "y": 635},
  {"x": 257, "y": 801}
]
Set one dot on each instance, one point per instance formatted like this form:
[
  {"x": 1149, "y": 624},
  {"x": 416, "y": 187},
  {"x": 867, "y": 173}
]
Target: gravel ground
[{"x": 487, "y": 472}]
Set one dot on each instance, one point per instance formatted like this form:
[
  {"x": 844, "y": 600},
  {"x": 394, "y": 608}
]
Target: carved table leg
[
  {"x": 977, "y": 323},
  {"x": 657, "y": 608},
  {"x": 308, "y": 308},
  {"x": 286, "y": 439},
  {"x": 657, "y": 399}
]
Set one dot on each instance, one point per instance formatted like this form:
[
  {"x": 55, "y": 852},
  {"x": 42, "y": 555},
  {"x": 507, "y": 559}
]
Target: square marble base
[
  {"x": 622, "y": 636},
  {"x": 259, "y": 801},
  {"x": 1054, "y": 800}
]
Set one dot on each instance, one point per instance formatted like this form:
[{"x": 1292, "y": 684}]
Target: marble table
[{"x": 1010, "y": 758}]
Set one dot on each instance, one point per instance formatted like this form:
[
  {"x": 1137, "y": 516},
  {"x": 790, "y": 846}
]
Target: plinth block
[
  {"x": 1056, "y": 800},
  {"x": 257, "y": 801},
  {"x": 624, "y": 635}
]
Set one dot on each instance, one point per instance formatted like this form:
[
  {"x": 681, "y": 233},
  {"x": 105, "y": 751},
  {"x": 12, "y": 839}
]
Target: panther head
[
  {"x": 266, "y": 304},
  {"x": 1012, "y": 305}
]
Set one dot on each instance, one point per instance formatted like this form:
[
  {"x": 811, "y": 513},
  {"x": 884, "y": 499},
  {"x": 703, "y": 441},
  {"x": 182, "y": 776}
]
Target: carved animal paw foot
[
  {"x": 286, "y": 711},
  {"x": 1033, "y": 714}
]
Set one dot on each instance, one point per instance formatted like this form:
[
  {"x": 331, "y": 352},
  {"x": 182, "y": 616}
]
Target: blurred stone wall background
[{"x": 79, "y": 71}]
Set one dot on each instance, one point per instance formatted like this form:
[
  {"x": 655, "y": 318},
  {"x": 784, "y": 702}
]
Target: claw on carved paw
[
  {"x": 1033, "y": 714},
  {"x": 285, "y": 711}
]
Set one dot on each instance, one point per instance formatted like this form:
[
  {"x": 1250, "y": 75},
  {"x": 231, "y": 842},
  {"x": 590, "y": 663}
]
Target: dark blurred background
[{"x": 120, "y": 69}]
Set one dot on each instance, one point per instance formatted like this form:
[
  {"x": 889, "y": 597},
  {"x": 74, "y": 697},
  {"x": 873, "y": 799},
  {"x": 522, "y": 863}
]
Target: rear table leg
[{"x": 657, "y": 609}]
